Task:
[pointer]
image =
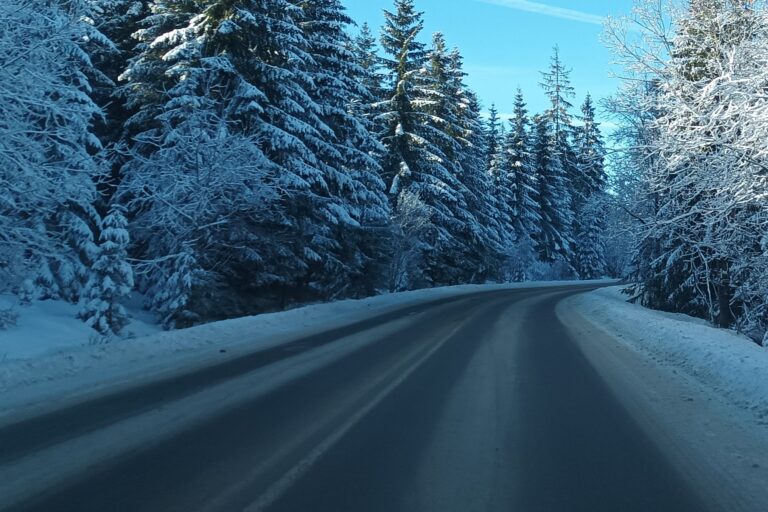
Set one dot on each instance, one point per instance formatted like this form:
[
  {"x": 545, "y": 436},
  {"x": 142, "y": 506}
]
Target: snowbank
[
  {"x": 49, "y": 326},
  {"x": 55, "y": 358},
  {"x": 722, "y": 360}
]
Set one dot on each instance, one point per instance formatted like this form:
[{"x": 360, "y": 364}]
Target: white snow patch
[
  {"x": 49, "y": 326},
  {"x": 721, "y": 360}
]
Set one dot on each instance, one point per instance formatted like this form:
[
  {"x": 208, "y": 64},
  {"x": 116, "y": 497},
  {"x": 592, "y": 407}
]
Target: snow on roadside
[
  {"x": 48, "y": 326},
  {"x": 722, "y": 360},
  {"x": 71, "y": 367}
]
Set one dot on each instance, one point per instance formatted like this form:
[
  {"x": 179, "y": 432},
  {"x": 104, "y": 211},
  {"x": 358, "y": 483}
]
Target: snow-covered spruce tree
[
  {"x": 46, "y": 166},
  {"x": 486, "y": 232},
  {"x": 415, "y": 143},
  {"x": 365, "y": 50},
  {"x": 590, "y": 246},
  {"x": 492, "y": 140},
  {"x": 144, "y": 82},
  {"x": 276, "y": 59},
  {"x": 518, "y": 157},
  {"x": 516, "y": 189},
  {"x": 230, "y": 134},
  {"x": 272, "y": 82},
  {"x": 554, "y": 199},
  {"x": 403, "y": 87},
  {"x": 590, "y": 153},
  {"x": 354, "y": 193},
  {"x": 589, "y": 251},
  {"x": 111, "y": 277},
  {"x": 556, "y": 83},
  {"x": 464, "y": 255},
  {"x": 63, "y": 275},
  {"x": 117, "y": 20}
]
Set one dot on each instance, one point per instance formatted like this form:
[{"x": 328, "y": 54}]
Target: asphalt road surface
[{"x": 481, "y": 403}]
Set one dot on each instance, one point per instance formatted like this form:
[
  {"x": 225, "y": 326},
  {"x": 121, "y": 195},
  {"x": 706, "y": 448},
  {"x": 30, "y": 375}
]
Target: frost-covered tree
[
  {"x": 145, "y": 79},
  {"x": 556, "y": 83},
  {"x": 515, "y": 185},
  {"x": 410, "y": 223},
  {"x": 517, "y": 182},
  {"x": 274, "y": 81},
  {"x": 202, "y": 194},
  {"x": 117, "y": 20},
  {"x": 709, "y": 94},
  {"x": 399, "y": 40},
  {"x": 352, "y": 189},
  {"x": 553, "y": 195},
  {"x": 466, "y": 251},
  {"x": 417, "y": 139},
  {"x": 590, "y": 153},
  {"x": 702, "y": 246},
  {"x": 400, "y": 118},
  {"x": 589, "y": 257},
  {"x": 47, "y": 170},
  {"x": 172, "y": 288},
  {"x": 111, "y": 277},
  {"x": 493, "y": 140},
  {"x": 488, "y": 234},
  {"x": 365, "y": 50},
  {"x": 200, "y": 182}
]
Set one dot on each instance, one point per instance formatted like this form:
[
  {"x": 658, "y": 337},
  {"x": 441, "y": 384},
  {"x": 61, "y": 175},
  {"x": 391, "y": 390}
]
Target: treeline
[
  {"x": 694, "y": 181},
  {"x": 229, "y": 157}
]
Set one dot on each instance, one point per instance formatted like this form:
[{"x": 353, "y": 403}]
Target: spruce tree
[
  {"x": 485, "y": 234},
  {"x": 111, "y": 278},
  {"x": 590, "y": 153},
  {"x": 416, "y": 141},
  {"x": 589, "y": 259},
  {"x": 364, "y": 49},
  {"x": 399, "y": 41},
  {"x": 557, "y": 86},
  {"x": 118, "y": 20},
  {"x": 553, "y": 236},
  {"x": 556, "y": 83},
  {"x": 404, "y": 86},
  {"x": 519, "y": 174},
  {"x": 516, "y": 189},
  {"x": 241, "y": 72},
  {"x": 348, "y": 159},
  {"x": 489, "y": 236},
  {"x": 493, "y": 140}
]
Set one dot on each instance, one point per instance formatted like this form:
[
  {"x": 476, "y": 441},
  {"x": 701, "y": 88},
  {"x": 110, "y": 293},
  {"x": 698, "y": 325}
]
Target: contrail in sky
[{"x": 548, "y": 10}]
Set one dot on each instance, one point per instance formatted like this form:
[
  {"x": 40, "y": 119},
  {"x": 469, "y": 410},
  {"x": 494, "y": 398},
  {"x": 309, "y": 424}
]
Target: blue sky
[{"x": 507, "y": 43}]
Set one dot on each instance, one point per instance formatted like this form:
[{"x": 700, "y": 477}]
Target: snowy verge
[
  {"x": 75, "y": 370},
  {"x": 724, "y": 361},
  {"x": 48, "y": 326}
]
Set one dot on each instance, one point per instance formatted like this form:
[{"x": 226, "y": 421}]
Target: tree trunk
[{"x": 724, "y": 317}]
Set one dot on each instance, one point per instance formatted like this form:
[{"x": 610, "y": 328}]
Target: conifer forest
[{"x": 229, "y": 157}]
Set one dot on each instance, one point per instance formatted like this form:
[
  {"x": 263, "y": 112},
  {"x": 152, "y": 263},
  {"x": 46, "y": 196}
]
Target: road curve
[{"x": 480, "y": 403}]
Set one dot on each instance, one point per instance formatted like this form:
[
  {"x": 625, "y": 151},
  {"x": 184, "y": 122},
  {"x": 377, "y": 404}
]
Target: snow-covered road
[{"x": 507, "y": 399}]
